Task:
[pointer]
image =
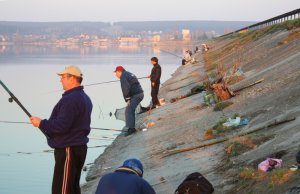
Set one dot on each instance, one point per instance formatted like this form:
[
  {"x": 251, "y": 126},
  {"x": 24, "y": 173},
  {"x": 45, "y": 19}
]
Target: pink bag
[{"x": 269, "y": 164}]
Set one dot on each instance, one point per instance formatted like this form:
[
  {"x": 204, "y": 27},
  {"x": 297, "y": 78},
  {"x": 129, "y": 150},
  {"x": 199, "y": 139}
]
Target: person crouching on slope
[
  {"x": 133, "y": 94},
  {"x": 127, "y": 179}
]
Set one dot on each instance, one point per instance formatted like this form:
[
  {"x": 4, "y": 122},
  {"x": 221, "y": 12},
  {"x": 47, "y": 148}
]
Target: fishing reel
[{"x": 10, "y": 100}]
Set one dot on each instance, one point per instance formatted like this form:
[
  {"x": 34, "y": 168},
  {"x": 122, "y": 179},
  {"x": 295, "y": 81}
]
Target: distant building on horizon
[
  {"x": 156, "y": 38},
  {"x": 129, "y": 41}
]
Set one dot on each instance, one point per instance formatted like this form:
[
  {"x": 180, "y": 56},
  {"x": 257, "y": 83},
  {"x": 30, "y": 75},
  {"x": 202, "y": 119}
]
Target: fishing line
[
  {"x": 95, "y": 128},
  {"x": 44, "y": 151},
  {"x": 102, "y": 139}
]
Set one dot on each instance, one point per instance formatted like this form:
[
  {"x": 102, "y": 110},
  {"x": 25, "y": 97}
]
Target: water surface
[{"x": 30, "y": 73}]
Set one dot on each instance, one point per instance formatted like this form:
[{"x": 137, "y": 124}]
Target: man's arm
[
  {"x": 125, "y": 85},
  {"x": 62, "y": 122}
]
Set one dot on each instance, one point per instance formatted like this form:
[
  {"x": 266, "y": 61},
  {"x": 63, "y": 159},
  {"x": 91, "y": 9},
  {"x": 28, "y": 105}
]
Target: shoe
[
  {"x": 130, "y": 132},
  {"x": 294, "y": 167},
  {"x": 143, "y": 109}
]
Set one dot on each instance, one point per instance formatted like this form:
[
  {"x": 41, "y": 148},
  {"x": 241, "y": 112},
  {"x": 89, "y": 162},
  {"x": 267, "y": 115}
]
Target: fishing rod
[
  {"x": 15, "y": 122},
  {"x": 165, "y": 51},
  {"x": 106, "y": 82},
  {"x": 95, "y": 128},
  {"x": 99, "y": 83},
  {"x": 14, "y": 98}
]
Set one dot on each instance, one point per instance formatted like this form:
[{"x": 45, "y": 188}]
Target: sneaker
[
  {"x": 294, "y": 167},
  {"x": 130, "y": 131}
]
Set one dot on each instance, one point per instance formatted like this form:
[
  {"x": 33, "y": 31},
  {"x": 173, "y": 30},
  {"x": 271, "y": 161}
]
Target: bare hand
[
  {"x": 153, "y": 84},
  {"x": 36, "y": 121}
]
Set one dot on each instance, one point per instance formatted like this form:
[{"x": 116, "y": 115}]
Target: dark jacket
[
  {"x": 123, "y": 182},
  {"x": 130, "y": 85},
  {"x": 155, "y": 73},
  {"x": 69, "y": 123}
]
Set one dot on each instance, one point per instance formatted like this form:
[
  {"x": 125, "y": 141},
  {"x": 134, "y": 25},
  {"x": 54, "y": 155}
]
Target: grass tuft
[{"x": 222, "y": 105}]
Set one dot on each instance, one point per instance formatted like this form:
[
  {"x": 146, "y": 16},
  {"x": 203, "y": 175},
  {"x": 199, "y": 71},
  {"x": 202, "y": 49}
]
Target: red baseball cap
[{"x": 119, "y": 68}]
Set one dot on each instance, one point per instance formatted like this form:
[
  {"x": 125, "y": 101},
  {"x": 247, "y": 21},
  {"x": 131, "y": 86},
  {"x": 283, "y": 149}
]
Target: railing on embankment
[{"x": 275, "y": 20}]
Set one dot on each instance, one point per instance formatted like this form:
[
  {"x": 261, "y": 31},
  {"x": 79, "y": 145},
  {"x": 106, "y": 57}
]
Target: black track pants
[
  {"x": 154, "y": 93},
  {"x": 68, "y": 165}
]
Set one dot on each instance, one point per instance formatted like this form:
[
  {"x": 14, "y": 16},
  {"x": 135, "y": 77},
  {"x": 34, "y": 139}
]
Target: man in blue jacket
[
  {"x": 68, "y": 128},
  {"x": 127, "y": 179},
  {"x": 133, "y": 94}
]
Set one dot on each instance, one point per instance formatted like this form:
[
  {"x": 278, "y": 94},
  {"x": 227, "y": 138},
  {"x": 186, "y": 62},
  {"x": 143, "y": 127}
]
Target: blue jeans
[{"x": 130, "y": 109}]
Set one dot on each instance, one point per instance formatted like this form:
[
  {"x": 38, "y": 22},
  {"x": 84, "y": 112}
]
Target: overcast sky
[{"x": 143, "y": 10}]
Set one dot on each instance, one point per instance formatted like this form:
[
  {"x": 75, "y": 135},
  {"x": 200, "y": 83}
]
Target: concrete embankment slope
[{"x": 273, "y": 56}]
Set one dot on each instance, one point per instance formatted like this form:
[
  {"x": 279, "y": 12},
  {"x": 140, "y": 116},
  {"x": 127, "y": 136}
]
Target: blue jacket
[
  {"x": 69, "y": 123},
  {"x": 123, "y": 182},
  {"x": 130, "y": 85}
]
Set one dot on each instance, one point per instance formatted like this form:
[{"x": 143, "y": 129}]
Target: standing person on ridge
[
  {"x": 155, "y": 81},
  {"x": 133, "y": 94},
  {"x": 68, "y": 128}
]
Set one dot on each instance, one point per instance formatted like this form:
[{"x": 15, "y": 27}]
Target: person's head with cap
[
  {"x": 70, "y": 77},
  {"x": 154, "y": 60},
  {"x": 119, "y": 70},
  {"x": 135, "y": 165}
]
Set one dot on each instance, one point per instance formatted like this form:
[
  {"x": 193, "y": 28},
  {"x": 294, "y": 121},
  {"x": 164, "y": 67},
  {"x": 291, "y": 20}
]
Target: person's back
[
  {"x": 123, "y": 183},
  {"x": 130, "y": 84},
  {"x": 127, "y": 179}
]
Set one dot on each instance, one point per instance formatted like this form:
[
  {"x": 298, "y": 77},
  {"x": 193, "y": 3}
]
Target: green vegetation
[
  {"x": 235, "y": 115},
  {"x": 256, "y": 34},
  {"x": 248, "y": 173},
  {"x": 292, "y": 24},
  {"x": 219, "y": 125},
  {"x": 236, "y": 149},
  {"x": 222, "y": 105},
  {"x": 242, "y": 38},
  {"x": 220, "y": 128}
]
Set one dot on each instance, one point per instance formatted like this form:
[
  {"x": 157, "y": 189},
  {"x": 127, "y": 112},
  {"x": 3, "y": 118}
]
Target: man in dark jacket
[
  {"x": 127, "y": 179},
  {"x": 133, "y": 94},
  {"x": 155, "y": 81},
  {"x": 68, "y": 128}
]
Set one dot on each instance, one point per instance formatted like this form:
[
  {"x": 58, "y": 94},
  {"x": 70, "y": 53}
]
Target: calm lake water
[{"x": 30, "y": 73}]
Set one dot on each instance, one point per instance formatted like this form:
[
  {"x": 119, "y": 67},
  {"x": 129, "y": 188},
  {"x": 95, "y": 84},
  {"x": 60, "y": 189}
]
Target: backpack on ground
[{"x": 195, "y": 183}]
